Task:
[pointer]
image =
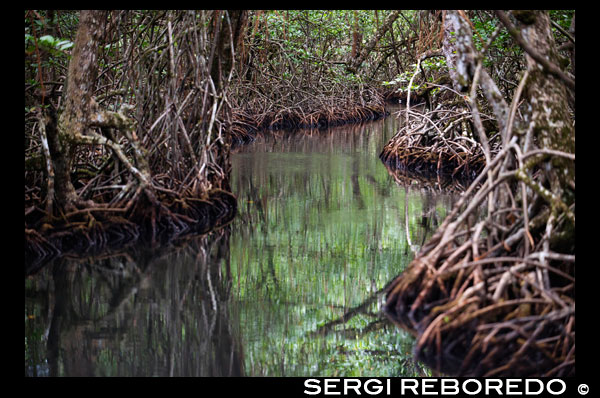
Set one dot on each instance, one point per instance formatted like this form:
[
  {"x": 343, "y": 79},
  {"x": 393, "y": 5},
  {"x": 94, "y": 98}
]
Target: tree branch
[
  {"x": 547, "y": 65},
  {"x": 356, "y": 62}
]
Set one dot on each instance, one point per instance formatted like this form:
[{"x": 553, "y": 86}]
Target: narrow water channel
[{"x": 292, "y": 287}]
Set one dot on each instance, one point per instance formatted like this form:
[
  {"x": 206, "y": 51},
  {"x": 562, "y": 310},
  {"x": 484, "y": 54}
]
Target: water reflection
[
  {"x": 322, "y": 228},
  {"x": 292, "y": 287},
  {"x": 142, "y": 312}
]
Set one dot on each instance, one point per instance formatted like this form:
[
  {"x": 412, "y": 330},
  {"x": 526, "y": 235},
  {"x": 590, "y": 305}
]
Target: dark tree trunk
[{"x": 228, "y": 33}]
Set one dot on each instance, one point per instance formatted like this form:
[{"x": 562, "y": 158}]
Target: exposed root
[
  {"x": 492, "y": 296},
  {"x": 94, "y": 230},
  {"x": 309, "y": 111},
  {"x": 437, "y": 143}
]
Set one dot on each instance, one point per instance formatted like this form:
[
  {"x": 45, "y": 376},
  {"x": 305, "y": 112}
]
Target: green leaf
[
  {"x": 64, "y": 45},
  {"x": 47, "y": 40}
]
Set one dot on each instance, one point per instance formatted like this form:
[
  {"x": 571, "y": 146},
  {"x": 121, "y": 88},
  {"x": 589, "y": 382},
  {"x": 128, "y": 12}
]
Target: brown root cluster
[
  {"x": 299, "y": 109},
  {"x": 493, "y": 295},
  {"x": 97, "y": 230},
  {"x": 436, "y": 143}
]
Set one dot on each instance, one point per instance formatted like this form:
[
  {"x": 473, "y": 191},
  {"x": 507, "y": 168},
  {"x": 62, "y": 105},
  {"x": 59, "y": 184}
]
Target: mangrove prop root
[
  {"x": 438, "y": 143},
  {"x": 488, "y": 296},
  {"x": 93, "y": 231},
  {"x": 309, "y": 111}
]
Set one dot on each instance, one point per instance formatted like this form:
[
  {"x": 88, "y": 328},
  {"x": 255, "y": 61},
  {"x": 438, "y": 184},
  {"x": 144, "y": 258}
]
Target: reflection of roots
[
  {"x": 426, "y": 182},
  {"x": 432, "y": 163},
  {"x": 489, "y": 297}
]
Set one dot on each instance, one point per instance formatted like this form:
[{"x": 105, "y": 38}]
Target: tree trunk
[
  {"x": 356, "y": 62},
  {"x": 228, "y": 33},
  {"x": 461, "y": 59},
  {"x": 74, "y": 119},
  {"x": 81, "y": 114},
  {"x": 548, "y": 95},
  {"x": 356, "y": 37}
]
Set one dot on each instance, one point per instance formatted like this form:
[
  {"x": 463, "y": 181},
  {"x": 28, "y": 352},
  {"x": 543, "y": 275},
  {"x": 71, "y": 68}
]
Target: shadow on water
[{"x": 292, "y": 287}]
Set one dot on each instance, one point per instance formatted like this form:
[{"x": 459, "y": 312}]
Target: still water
[{"x": 292, "y": 287}]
